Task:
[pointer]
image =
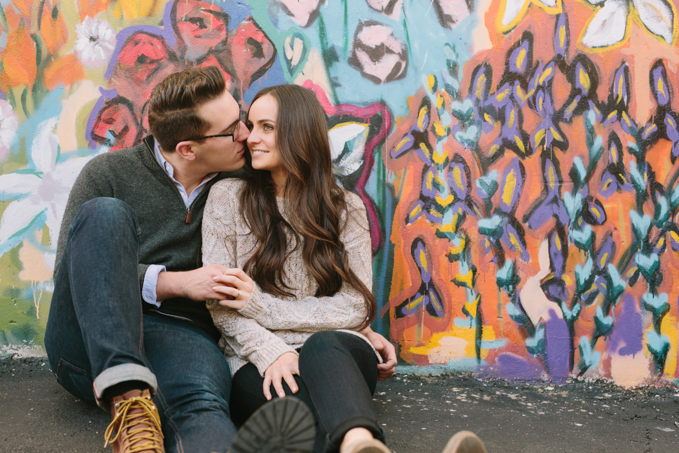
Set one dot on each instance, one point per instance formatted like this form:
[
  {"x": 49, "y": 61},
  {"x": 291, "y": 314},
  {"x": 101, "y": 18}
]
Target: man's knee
[{"x": 106, "y": 213}]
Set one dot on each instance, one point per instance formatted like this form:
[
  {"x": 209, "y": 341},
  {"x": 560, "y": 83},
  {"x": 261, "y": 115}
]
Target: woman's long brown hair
[{"x": 316, "y": 203}]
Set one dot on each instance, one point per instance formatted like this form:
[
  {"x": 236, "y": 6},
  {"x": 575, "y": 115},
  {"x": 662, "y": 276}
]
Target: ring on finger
[{"x": 238, "y": 295}]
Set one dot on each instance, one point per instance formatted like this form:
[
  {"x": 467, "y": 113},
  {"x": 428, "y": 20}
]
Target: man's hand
[
  {"x": 235, "y": 287},
  {"x": 387, "y": 368},
  {"x": 282, "y": 369},
  {"x": 197, "y": 284}
]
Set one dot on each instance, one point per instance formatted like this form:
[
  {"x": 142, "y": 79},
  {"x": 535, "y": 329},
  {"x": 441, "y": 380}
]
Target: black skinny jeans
[{"x": 338, "y": 377}]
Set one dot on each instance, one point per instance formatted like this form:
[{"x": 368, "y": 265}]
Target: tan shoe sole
[{"x": 465, "y": 442}]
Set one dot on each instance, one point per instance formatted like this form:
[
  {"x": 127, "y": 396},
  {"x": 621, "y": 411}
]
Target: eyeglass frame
[{"x": 241, "y": 119}]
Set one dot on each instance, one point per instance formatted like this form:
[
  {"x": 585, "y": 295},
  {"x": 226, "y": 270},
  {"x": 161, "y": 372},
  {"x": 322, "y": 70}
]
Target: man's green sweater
[{"x": 170, "y": 233}]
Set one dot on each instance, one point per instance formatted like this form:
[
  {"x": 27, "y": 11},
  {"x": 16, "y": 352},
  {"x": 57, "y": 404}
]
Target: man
[{"x": 128, "y": 318}]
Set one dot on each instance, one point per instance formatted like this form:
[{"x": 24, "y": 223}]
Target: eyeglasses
[{"x": 233, "y": 133}]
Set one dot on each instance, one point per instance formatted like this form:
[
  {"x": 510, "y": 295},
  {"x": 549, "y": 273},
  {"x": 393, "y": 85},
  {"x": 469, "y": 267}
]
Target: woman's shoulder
[
  {"x": 356, "y": 212},
  {"x": 354, "y": 202},
  {"x": 224, "y": 198},
  {"x": 228, "y": 185}
]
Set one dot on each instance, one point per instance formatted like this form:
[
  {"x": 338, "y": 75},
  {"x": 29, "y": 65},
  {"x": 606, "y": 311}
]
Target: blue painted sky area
[{"x": 417, "y": 25}]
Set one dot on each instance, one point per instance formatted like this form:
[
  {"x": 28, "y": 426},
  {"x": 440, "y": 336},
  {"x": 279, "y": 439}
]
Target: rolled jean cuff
[
  {"x": 334, "y": 439},
  {"x": 122, "y": 373}
]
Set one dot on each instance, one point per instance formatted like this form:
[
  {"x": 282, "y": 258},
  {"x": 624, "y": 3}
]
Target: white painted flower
[
  {"x": 347, "y": 146},
  {"x": 513, "y": 11},
  {"x": 40, "y": 191},
  {"x": 8, "y": 127},
  {"x": 610, "y": 23},
  {"x": 96, "y": 41}
]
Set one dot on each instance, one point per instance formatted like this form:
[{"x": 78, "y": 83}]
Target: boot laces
[{"x": 140, "y": 429}]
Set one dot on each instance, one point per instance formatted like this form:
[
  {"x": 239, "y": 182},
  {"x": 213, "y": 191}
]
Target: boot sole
[
  {"x": 465, "y": 442},
  {"x": 284, "y": 425}
]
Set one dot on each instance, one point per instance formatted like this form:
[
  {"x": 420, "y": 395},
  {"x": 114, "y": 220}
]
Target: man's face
[{"x": 221, "y": 153}]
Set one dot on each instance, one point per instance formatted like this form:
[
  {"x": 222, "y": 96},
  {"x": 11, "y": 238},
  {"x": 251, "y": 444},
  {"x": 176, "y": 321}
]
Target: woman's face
[{"x": 262, "y": 140}]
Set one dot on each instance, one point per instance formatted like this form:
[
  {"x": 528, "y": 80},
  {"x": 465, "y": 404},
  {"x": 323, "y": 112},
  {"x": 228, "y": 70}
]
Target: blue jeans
[
  {"x": 97, "y": 335},
  {"x": 338, "y": 375}
]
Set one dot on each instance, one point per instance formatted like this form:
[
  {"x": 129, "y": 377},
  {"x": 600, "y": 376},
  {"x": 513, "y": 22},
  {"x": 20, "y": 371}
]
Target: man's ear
[{"x": 185, "y": 150}]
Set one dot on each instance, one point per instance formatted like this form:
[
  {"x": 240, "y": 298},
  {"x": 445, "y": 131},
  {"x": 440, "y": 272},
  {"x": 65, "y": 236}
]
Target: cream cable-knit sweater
[{"x": 268, "y": 326}]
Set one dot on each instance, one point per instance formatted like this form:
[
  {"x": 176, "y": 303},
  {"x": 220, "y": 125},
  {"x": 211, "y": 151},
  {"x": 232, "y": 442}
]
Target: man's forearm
[{"x": 170, "y": 284}]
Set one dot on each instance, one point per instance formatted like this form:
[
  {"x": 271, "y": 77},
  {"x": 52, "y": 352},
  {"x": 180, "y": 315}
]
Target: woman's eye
[{"x": 268, "y": 127}]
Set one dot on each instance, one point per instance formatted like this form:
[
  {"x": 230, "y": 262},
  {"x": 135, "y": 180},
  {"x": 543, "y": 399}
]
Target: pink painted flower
[
  {"x": 379, "y": 55},
  {"x": 303, "y": 12},
  {"x": 452, "y": 12},
  {"x": 390, "y": 8}
]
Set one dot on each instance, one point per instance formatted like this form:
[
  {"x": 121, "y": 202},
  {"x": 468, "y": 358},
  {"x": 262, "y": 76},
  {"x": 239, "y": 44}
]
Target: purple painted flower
[
  {"x": 663, "y": 124},
  {"x": 512, "y": 135},
  {"x": 520, "y": 56},
  {"x": 593, "y": 212},
  {"x": 618, "y": 100},
  {"x": 550, "y": 203},
  {"x": 417, "y": 138},
  {"x": 427, "y": 295},
  {"x": 584, "y": 79},
  {"x": 553, "y": 285},
  {"x": 511, "y": 187},
  {"x": 561, "y": 36},
  {"x": 614, "y": 178}
]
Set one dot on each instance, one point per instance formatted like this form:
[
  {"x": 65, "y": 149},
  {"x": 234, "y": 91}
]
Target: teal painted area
[{"x": 463, "y": 365}]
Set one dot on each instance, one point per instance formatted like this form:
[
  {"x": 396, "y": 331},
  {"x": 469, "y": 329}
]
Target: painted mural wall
[{"x": 518, "y": 158}]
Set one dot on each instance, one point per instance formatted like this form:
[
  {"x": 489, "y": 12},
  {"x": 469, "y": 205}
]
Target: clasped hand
[{"x": 235, "y": 286}]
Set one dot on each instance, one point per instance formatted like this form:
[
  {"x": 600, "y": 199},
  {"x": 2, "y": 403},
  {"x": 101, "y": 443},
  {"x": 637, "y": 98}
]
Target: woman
[{"x": 298, "y": 251}]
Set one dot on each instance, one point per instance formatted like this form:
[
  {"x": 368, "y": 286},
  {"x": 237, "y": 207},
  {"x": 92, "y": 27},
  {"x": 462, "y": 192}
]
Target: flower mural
[
  {"x": 39, "y": 191},
  {"x": 517, "y": 159}
]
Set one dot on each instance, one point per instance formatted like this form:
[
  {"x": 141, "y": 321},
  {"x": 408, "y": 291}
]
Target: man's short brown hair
[{"x": 174, "y": 104}]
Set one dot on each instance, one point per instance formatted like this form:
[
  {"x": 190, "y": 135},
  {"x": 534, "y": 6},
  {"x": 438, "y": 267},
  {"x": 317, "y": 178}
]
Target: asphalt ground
[{"x": 418, "y": 413}]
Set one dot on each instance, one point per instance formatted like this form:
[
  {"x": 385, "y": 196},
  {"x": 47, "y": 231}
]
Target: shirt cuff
[{"x": 148, "y": 291}]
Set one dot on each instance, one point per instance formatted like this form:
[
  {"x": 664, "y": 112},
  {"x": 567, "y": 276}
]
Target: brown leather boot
[{"x": 136, "y": 424}]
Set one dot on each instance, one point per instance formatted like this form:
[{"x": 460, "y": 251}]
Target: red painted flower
[
  {"x": 144, "y": 61},
  {"x": 250, "y": 52},
  {"x": 116, "y": 125},
  {"x": 200, "y": 27}
]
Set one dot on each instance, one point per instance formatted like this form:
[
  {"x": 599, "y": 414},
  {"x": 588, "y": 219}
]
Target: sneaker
[
  {"x": 367, "y": 446},
  {"x": 284, "y": 425},
  {"x": 465, "y": 442},
  {"x": 136, "y": 424}
]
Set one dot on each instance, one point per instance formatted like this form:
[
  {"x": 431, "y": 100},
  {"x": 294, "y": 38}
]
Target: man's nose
[{"x": 243, "y": 133}]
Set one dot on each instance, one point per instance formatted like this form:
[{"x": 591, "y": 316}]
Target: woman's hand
[
  {"x": 386, "y": 350},
  {"x": 236, "y": 286},
  {"x": 282, "y": 369}
]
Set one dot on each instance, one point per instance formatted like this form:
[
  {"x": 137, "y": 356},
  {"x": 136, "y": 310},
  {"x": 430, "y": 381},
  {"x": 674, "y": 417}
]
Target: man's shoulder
[{"x": 119, "y": 160}]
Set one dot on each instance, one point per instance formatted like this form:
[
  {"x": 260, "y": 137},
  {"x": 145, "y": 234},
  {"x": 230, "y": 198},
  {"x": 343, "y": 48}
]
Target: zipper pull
[{"x": 188, "y": 217}]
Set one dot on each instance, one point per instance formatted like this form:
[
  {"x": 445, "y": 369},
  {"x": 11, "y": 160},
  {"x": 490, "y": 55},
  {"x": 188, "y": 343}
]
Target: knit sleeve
[
  {"x": 344, "y": 310},
  {"x": 248, "y": 339}
]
